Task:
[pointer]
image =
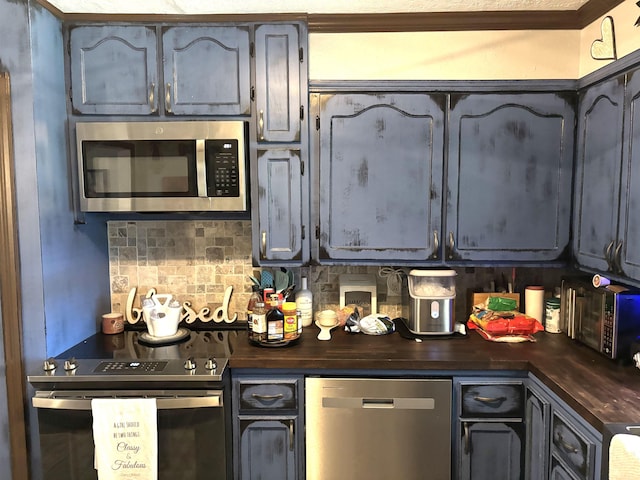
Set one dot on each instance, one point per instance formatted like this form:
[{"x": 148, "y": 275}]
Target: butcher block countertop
[{"x": 599, "y": 389}]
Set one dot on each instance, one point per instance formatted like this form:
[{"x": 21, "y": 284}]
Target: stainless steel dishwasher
[{"x": 362, "y": 428}]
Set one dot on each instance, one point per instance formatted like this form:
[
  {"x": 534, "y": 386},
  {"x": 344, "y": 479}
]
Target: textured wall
[{"x": 197, "y": 260}]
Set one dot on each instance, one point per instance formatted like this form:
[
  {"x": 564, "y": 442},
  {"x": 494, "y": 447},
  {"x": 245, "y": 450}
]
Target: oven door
[{"x": 193, "y": 433}]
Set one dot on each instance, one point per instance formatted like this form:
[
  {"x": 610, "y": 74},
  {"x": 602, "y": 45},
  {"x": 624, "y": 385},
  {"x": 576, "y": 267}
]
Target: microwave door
[{"x": 589, "y": 311}]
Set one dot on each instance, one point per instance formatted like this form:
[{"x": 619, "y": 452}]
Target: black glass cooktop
[{"x": 131, "y": 345}]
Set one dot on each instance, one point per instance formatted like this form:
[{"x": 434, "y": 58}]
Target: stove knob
[
  {"x": 49, "y": 365},
  {"x": 70, "y": 364},
  {"x": 211, "y": 364},
  {"x": 190, "y": 364}
]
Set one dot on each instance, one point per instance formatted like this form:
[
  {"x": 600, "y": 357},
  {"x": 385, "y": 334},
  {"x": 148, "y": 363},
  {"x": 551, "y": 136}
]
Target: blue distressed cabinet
[
  {"x": 114, "y": 69},
  {"x": 538, "y": 420},
  {"x": 608, "y": 177},
  {"x": 279, "y": 172},
  {"x": 379, "y": 167},
  {"x": 509, "y": 177},
  {"x": 268, "y": 427},
  {"x": 280, "y": 204},
  {"x": 490, "y": 440},
  {"x": 206, "y": 70},
  {"x": 598, "y": 174},
  {"x": 560, "y": 444},
  {"x": 279, "y": 106},
  {"x": 197, "y": 70}
]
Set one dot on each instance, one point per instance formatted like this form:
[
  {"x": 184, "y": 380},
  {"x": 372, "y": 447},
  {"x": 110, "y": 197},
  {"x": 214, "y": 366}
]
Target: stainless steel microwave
[
  {"x": 606, "y": 319},
  {"x": 183, "y": 166}
]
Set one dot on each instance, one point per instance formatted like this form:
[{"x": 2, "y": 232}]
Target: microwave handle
[{"x": 201, "y": 169}]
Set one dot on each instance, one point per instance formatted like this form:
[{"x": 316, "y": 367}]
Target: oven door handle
[{"x": 213, "y": 399}]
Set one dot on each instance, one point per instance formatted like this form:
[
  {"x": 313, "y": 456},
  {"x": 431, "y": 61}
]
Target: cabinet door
[
  {"x": 491, "y": 451},
  {"x": 206, "y": 70},
  {"x": 559, "y": 471},
  {"x": 278, "y": 102},
  {"x": 627, "y": 253},
  {"x": 598, "y": 157},
  {"x": 268, "y": 448},
  {"x": 380, "y": 176},
  {"x": 279, "y": 233},
  {"x": 537, "y": 418},
  {"x": 509, "y": 177},
  {"x": 114, "y": 70},
  {"x": 573, "y": 446}
]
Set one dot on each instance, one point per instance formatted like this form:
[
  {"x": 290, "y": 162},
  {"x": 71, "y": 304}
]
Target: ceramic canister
[{"x": 112, "y": 323}]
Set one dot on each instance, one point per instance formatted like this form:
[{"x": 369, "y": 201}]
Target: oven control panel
[{"x": 131, "y": 367}]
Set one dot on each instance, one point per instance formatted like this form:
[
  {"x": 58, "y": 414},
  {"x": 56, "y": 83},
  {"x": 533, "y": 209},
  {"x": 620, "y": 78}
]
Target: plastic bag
[{"x": 501, "y": 304}]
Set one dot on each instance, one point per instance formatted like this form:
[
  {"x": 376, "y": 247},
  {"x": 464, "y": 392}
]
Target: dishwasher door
[{"x": 361, "y": 428}]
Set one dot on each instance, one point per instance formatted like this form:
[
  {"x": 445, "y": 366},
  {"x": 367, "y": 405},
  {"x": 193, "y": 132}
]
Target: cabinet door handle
[
  {"x": 152, "y": 97},
  {"x": 263, "y": 244},
  {"x": 490, "y": 400},
  {"x": 452, "y": 244},
  {"x": 267, "y": 398},
  {"x": 566, "y": 446},
  {"x": 167, "y": 98},
  {"x": 436, "y": 244},
  {"x": 467, "y": 442},
  {"x": 617, "y": 258},
  {"x": 291, "y": 435},
  {"x": 261, "y": 125},
  {"x": 607, "y": 255}
]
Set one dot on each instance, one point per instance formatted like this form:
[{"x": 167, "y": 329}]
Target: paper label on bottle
[
  {"x": 259, "y": 324},
  {"x": 275, "y": 330},
  {"x": 305, "y": 305}
]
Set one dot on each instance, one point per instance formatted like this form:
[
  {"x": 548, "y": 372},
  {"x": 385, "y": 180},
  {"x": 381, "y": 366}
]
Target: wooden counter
[{"x": 599, "y": 389}]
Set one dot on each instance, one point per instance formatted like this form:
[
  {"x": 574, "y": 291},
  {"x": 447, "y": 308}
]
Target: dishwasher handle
[
  {"x": 66, "y": 401},
  {"x": 397, "y": 403}
]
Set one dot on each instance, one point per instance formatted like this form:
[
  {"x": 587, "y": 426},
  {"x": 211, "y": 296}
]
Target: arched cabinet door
[
  {"x": 206, "y": 70},
  {"x": 380, "y": 165},
  {"x": 509, "y": 177},
  {"x": 114, "y": 69},
  {"x": 597, "y": 180}
]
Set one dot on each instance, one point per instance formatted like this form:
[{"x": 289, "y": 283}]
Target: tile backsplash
[{"x": 196, "y": 260}]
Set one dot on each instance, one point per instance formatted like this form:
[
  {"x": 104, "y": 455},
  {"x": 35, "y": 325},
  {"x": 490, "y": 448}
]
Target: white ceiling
[{"x": 194, "y": 7}]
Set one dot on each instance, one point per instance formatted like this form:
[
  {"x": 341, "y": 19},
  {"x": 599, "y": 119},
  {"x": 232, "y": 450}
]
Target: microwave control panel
[{"x": 222, "y": 168}]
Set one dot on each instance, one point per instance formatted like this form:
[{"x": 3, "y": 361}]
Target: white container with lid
[
  {"x": 432, "y": 283},
  {"x": 433, "y": 293}
]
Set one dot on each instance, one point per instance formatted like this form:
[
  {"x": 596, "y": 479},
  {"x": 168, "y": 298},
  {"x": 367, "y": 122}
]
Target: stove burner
[{"x": 181, "y": 335}]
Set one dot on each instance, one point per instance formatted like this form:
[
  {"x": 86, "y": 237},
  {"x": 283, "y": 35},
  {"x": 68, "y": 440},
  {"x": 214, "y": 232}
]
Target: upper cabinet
[
  {"x": 279, "y": 108},
  {"x": 378, "y": 192},
  {"x": 114, "y": 69},
  {"x": 206, "y": 70},
  {"x": 199, "y": 70},
  {"x": 509, "y": 177},
  {"x": 608, "y": 178},
  {"x": 279, "y": 163}
]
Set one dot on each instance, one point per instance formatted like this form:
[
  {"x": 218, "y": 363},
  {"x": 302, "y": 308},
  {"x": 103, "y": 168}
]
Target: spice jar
[{"x": 290, "y": 320}]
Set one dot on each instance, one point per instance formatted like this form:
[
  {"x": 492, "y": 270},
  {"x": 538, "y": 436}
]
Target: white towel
[
  {"x": 125, "y": 435},
  {"x": 624, "y": 457}
]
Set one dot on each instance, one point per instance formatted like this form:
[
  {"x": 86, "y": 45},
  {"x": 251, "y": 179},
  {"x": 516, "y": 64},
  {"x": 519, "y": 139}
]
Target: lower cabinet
[
  {"x": 490, "y": 441},
  {"x": 268, "y": 427},
  {"x": 537, "y": 418},
  {"x": 491, "y": 450},
  {"x": 560, "y": 444}
]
